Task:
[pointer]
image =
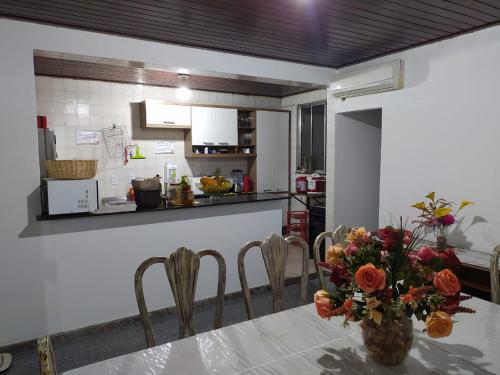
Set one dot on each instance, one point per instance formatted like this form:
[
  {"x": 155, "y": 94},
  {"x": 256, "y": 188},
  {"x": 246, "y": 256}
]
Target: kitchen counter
[{"x": 131, "y": 208}]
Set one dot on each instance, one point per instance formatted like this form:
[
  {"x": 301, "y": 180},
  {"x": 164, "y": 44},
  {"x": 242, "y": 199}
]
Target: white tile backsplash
[{"x": 80, "y": 104}]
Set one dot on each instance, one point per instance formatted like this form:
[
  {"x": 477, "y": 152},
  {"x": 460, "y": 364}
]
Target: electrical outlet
[
  {"x": 130, "y": 178},
  {"x": 114, "y": 180}
]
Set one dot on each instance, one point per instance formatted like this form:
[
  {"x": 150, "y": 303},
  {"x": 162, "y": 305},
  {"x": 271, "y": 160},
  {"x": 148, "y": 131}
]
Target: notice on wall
[
  {"x": 87, "y": 137},
  {"x": 164, "y": 147}
]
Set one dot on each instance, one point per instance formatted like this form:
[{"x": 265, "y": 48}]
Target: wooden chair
[
  {"x": 46, "y": 356},
  {"x": 494, "y": 274},
  {"x": 274, "y": 250},
  {"x": 338, "y": 236},
  {"x": 181, "y": 268}
]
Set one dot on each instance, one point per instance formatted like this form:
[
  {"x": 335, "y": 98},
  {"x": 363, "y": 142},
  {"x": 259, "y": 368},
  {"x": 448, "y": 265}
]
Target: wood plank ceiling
[
  {"x": 332, "y": 33},
  {"x": 66, "y": 68}
]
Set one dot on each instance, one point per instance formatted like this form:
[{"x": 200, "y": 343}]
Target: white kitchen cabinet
[
  {"x": 214, "y": 126},
  {"x": 273, "y": 147},
  {"x": 160, "y": 115},
  {"x": 202, "y": 127},
  {"x": 226, "y": 127}
]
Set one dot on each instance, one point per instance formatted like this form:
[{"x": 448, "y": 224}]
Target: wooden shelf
[
  {"x": 221, "y": 156},
  {"x": 244, "y": 128}
]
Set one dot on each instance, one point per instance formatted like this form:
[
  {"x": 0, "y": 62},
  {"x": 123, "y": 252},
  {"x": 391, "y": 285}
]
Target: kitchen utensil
[
  {"x": 116, "y": 141},
  {"x": 147, "y": 198}
]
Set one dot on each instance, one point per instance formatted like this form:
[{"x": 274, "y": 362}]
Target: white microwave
[{"x": 69, "y": 196}]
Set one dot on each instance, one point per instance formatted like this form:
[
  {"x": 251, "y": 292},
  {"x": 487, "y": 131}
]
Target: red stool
[{"x": 297, "y": 223}]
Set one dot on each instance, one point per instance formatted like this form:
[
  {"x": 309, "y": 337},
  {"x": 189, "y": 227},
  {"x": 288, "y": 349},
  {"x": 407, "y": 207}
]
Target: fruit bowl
[{"x": 214, "y": 186}]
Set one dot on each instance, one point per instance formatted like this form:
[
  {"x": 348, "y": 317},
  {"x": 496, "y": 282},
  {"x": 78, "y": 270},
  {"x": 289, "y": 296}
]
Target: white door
[
  {"x": 202, "y": 127},
  {"x": 273, "y": 144},
  {"x": 226, "y": 127}
]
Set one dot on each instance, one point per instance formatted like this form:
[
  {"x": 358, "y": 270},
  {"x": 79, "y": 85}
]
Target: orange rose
[
  {"x": 438, "y": 324},
  {"x": 446, "y": 283},
  {"x": 323, "y": 304},
  {"x": 334, "y": 254},
  {"x": 369, "y": 278}
]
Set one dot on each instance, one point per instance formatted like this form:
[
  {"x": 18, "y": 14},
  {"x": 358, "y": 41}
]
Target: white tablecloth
[{"x": 298, "y": 342}]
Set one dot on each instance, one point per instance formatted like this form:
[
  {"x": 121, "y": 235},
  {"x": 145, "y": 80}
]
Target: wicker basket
[
  {"x": 146, "y": 183},
  {"x": 71, "y": 169}
]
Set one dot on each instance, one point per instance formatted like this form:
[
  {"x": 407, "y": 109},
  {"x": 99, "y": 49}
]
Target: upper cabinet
[
  {"x": 159, "y": 115},
  {"x": 214, "y": 126}
]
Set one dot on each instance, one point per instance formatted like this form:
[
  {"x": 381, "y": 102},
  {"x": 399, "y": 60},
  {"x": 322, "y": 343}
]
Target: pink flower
[
  {"x": 447, "y": 220},
  {"x": 407, "y": 237},
  {"x": 351, "y": 249},
  {"x": 412, "y": 258},
  {"x": 450, "y": 259},
  {"x": 426, "y": 254}
]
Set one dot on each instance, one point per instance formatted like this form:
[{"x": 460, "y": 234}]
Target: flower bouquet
[
  {"x": 438, "y": 215},
  {"x": 383, "y": 279}
]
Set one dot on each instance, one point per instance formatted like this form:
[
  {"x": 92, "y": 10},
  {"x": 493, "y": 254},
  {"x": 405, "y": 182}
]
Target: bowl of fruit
[{"x": 215, "y": 186}]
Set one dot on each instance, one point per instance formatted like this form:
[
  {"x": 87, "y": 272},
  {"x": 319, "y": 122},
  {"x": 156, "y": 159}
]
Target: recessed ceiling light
[{"x": 183, "y": 76}]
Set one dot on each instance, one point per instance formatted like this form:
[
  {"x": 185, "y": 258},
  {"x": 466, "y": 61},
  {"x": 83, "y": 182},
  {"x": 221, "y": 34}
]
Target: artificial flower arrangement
[
  {"x": 383, "y": 279},
  {"x": 437, "y": 214}
]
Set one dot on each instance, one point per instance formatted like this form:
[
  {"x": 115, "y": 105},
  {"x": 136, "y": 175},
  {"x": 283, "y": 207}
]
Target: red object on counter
[
  {"x": 41, "y": 122},
  {"x": 301, "y": 184},
  {"x": 247, "y": 183},
  {"x": 316, "y": 184}
]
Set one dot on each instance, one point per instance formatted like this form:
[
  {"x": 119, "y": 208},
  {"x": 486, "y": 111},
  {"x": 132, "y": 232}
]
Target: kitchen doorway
[{"x": 358, "y": 137}]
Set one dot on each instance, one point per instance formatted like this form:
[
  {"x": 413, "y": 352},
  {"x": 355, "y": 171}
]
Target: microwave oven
[{"x": 69, "y": 196}]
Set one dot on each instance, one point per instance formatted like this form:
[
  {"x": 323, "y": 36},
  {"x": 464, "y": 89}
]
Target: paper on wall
[
  {"x": 87, "y": 137},
  {"x": 164, "y": 147}
]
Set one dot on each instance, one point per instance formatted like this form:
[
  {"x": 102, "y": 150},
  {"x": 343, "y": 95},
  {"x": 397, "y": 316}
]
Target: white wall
[
  {"x": 39, "y": 286},
  {"x": 72, "y": 105},
  {"x": 440, "y": 133},
  {"x": 357, "y": 169}
]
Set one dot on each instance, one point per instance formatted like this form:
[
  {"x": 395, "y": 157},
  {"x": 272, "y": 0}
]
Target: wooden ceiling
[
  {"x": 66, "y": 68},
  {"x": 332, "y": 33}
]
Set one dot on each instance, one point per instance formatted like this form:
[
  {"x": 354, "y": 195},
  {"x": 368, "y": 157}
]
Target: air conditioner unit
[{"x": 378, "y": 78}]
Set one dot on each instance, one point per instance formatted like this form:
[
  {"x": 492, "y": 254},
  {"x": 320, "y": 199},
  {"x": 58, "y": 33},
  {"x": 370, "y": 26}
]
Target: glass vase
[
  {"x": 441, "y": 240},
  {"x": 388, "y": 343}
]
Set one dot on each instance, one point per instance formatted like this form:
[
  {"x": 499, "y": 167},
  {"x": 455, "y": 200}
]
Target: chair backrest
[
  {"x": 274, "y": 251},
  {"x": 182, "y": 268},
  {"x": 46, "y": 356},
  {"x": 338, "y": 236},
  {"x": 494, "y": 274}
]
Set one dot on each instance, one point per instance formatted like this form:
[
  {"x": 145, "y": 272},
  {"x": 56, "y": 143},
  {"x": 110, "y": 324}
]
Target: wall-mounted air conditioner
[{"x": 378, "y": 78}]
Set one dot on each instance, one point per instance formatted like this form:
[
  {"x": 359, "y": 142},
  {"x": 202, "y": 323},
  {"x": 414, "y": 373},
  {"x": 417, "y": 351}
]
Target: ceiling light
[
  {"x": 183, "y": 94},
  {"x": 183, "y": 76}
]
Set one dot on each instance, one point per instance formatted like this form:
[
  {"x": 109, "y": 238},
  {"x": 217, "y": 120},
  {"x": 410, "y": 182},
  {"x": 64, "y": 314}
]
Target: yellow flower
[
  {"x": 431, "y": 195},
  {"x": 376, "y": 316},
  {"x": 465, "y": 203},
  {"x": 419, "y": 206},
  {"x": 372, "y": 302},
  {"x": 334, "y": 254},
  {"x": 355, "y": 233},
  {"x": 442, "y": 211}
]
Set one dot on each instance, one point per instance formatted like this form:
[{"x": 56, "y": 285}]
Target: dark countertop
[{"x": 131, "y": 208}]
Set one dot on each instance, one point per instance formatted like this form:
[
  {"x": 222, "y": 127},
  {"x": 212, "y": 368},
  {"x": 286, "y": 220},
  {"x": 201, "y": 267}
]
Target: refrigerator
[{"x": 46, "y": 149}]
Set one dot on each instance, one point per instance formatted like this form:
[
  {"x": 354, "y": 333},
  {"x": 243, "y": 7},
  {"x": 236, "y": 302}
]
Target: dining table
[{"x": 297, "y": 341}]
